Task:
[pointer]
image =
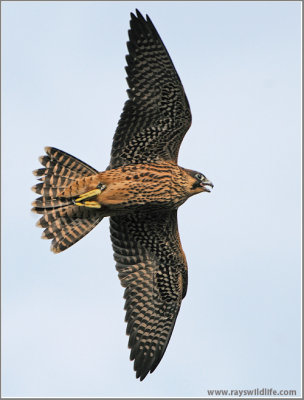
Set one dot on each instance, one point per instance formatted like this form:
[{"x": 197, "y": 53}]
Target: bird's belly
[{"x": 142, "y": 190}]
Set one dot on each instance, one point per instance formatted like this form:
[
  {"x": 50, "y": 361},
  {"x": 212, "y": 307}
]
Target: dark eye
[{"x": 199, "y": 176}]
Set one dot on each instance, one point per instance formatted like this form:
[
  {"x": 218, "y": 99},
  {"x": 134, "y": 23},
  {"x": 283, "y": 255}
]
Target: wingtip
[
  {"x": 141, "y": 375},
  {"x": 138, "y": 15},
  {"x": 149, "y": 19}
]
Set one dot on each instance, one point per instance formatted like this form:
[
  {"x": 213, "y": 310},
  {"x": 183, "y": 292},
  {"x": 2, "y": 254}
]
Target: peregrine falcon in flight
[{"x": 140, "y": 191}]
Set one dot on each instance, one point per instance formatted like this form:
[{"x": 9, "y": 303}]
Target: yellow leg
[
  {"x": 87, "y": 195},
  {"x": 89, "y": 204}
]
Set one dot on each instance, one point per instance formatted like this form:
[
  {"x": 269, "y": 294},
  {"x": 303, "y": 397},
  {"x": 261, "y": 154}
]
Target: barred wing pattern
[
  {"x": 157, "y": 114},
  {"x": 152, "y": 267}
]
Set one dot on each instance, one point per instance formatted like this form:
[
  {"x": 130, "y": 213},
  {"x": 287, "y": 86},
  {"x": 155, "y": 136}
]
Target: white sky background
[{"x": 63, "y": 85}]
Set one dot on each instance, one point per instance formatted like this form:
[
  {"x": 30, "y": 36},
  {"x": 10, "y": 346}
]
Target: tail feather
[
  {"x": 56, "y": 180},
  {"x": 64, "y": 222},
  {"x": 52, "y": 168},
  {"x": 65, "y": 235},
  {"x": 48, "y": 190},
  {"x": 44, "y": 223},
  {"x": 45, "y": 202},
  {"x": 70, "y": 162}
]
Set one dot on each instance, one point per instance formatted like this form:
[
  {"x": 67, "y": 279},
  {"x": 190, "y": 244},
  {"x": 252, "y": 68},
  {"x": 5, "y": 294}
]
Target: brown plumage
[{"x": 140, "y": 191}]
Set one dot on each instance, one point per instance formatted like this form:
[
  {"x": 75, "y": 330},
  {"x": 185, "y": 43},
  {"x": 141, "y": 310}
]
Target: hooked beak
[{"x": 205, "y": 183}]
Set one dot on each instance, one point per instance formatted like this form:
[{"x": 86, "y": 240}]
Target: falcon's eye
[{"x": 199, "y": 176}]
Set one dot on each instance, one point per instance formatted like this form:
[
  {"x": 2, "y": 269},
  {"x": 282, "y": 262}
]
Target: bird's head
[{"x": 198, "y": 182}]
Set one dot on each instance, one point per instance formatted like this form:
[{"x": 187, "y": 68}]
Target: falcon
[{"x": 140, "y": 191}]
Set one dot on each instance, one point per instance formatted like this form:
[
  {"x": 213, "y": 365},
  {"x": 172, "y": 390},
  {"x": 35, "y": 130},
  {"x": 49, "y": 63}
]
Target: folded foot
[
  {"x": 82, "y": 199},
  {"x": 89, "y": 204}
]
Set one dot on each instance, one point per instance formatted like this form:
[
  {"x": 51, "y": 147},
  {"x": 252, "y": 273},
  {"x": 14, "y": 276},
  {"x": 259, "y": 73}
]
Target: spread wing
[
  {"x": 152, "y": 267},
  {"x": 157, "y": 115}
]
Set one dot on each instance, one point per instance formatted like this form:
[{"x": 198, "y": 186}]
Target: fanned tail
[{"x": 64, "y": 222}]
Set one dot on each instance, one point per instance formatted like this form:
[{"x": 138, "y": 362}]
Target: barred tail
[{"x": 64, "y": 222}]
